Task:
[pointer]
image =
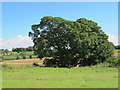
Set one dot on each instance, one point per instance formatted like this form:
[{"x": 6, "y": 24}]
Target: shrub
[
  {"x": 17, "y": 56},
  {"x": 113, "y": 61},
  {"x": 23, "y": 54},
  {"x": 30, "y": 56}
]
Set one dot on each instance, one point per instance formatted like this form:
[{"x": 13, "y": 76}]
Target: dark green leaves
[{"x": 71, "y": 42}]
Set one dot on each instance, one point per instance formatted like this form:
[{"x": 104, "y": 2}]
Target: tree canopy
[
  {"x": 117, "y": 47},
  {"x": 71, "y": 43},
  {"x": 20, "y": 49}
]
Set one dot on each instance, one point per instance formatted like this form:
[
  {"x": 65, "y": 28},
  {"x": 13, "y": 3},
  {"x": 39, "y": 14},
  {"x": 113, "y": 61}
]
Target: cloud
[
  {"x": 114, "y": 39},
  {"x": 19, "y": 41}
]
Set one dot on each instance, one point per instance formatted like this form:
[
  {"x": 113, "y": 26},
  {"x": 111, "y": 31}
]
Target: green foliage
[
  {"x": 113, "y": 61},
  {"x": 4, "y": 51},
  {"x": 117, "y": 51},
  {"x": 23, "y": 54},
  {"x": 110, "y": 62},
  {"x": 117, "y": 47},
  {"x": 71, "y": 42},
  {"x": 17, "y": 56},
  {"x": 30, "y": 48},
  {"x": 30, "y": 56}
]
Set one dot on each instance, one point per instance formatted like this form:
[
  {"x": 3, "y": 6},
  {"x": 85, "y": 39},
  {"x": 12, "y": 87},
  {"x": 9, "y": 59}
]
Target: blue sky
[{"x": 17, "y": 17}]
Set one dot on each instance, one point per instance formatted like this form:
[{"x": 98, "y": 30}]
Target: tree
[
  {"x": 30, "y": 48},
  {"x": 71, "y": 43},
  {"x": 2, "y": 52},
  {"x": 117, "y": 47},
  {"x": 23, "y": 54},
  {"x": 17, "y": 55},
  {"x": 6, "y": 51}
]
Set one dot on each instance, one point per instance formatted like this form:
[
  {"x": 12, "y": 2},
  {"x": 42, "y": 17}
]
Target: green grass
[
  {"x": 117, "y": 51},
  {"x": 12, "y": 57},
  {"x": 83, "y": 77}
]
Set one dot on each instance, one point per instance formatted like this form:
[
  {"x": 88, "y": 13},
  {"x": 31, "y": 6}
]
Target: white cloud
[
  {"x": 19, "y": 41},
  {"x": 114, "y": 39}
]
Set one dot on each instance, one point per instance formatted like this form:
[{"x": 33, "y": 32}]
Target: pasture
[
  {"x": 82, "y": 77},
  {"x": 22, "y": 74},
  {"x": 14, "y": 55}
]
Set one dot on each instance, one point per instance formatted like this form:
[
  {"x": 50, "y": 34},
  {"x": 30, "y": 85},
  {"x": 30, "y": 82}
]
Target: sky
[{"x": 17, "y": 18}]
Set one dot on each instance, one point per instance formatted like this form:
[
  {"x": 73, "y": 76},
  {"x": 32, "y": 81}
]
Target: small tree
[
  {"x": 17, "y": 56},
  {"x": 2, "y": 52},
  {"x": 117, "y": 47},
  {"x": 30, "y": 56},
  {"x": 30, "y": 48},
  {"x": 6, "y": 51},
  {"x": 23, "y": 54}
]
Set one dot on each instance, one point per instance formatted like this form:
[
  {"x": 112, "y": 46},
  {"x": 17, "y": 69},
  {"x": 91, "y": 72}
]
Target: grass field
[
  {"x": 13, "y": 57},
  {"x": 83, "y": 77},
  {"x": 21, "y": 74}
]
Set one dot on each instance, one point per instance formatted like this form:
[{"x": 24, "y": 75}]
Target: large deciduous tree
[{"x": 71, "y": 43}]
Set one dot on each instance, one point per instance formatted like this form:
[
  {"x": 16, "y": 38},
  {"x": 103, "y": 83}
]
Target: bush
[
  {"x": 30, "y": 56},
  {"x": 17, "y": 56},
  {"x": 48, "y": 62},
  {"x": 23, "y": 54},
  {"x": 110, "y": 62},
  {"x": 113, "y": 61}
]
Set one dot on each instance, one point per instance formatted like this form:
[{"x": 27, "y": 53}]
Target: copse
[
  {"x": 71, "y": 43},
  {"x": 4, "y": 52},
  {"x": 117, "y": 47},
  {"x": 30, "y": 48},
  {"x": 23, "y": 54}
]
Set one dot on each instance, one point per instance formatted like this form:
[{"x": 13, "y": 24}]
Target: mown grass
[{"x": 83, "y": 77}]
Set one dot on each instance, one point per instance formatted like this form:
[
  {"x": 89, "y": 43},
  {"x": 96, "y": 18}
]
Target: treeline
[
  {"x": 18, "y": 50},
  {"x": 17, "y": 53},
  {"x": 117, "y": 47},
  {"x": 4, "y": 52},
  {"x": 30, "y": 48}
]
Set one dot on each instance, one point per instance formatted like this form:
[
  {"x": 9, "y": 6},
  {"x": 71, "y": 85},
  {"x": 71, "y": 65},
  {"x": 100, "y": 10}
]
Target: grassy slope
[{"x": 85, "y": 77}]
